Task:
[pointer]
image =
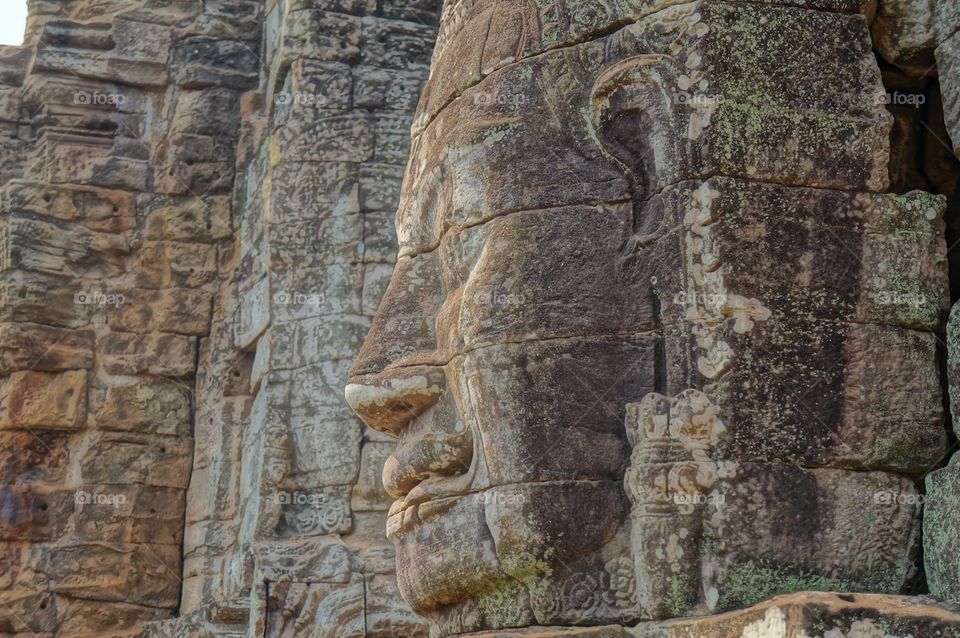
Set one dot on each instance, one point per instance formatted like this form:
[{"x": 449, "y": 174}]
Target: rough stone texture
[
  {"x": 661, "y": 342},
  {"x": 285, "y": 513},
  {"x": 908, "y": 32},
  {"x": 184, "y": 250},
  {"x": 98, "y": 347},
  {"x": 644, "y": 215}
]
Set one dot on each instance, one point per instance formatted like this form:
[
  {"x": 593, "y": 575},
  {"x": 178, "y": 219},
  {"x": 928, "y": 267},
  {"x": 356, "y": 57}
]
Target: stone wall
[
  {"x": 116, "y": 218},
  {"x": 197, "y": 226},
  {"x": 165, "y": 163},
  {"x": 922, "y": 39},
  {"x": 286, "y": 508}
]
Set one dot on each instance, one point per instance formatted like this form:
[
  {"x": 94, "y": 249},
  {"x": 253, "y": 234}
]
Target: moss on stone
[{"x": 753, "y": 582}]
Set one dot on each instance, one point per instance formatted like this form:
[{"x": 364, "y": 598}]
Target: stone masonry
[
  {"x": 197, "y": 227},
  {"x": 582, "y": 259}
]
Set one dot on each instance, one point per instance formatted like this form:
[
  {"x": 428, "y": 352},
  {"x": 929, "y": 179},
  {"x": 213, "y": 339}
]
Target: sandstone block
[
  {"x": 98, "y": 209},
  {"x": 27, "y": 297},
  {"x": 940, "y": 540},
  {"x": 386, "y": 612},
  {"x": 45, "y": 247},
  {"x": 293, "y": 603},
  {"x": 304, "y": 191},
  {"x": 306, "y": 560},
  {"x": 174, "y": 264},
  {"x": 147, "y": 406},
  {"x": 368, "y": 492},
  {"x": 113, "y": 458},
  {"x": 327, "y": 452},
  {"x": 209, "y": 112},
  {"x": 330, "y": 338},
  {"x": 194, "y": 164},
  {"x": 907, "y": 32},
  {"x": 29, "y": 346},
  {"x": 253, "y": 313},
  {"x": 194, "y": 219},
  {"x": 42, "y": 400},
  {"x": 129, "y": 514},
  {"x": 382, "y": 89},
  {"x": 32, "y": 514},
  {"x": 25, "y": 612},
  {"x": 160, "y": 354},
  {"x": 321, "y": 35},
  {"x": 313, "y": 511},
  {"x": 380, "y": 187},
  {"x": 314, "y": 85},
  {"x": 90, "y": 617},
  {"x": 326, "y": 136},
  {"x": 35, "y": 457},
  {"x": 948, "y": 63},
  {"x": 131, "y": 573},
  {"x": 214, "y": 493},
  {"x": 201, "y": 61},
  {"x": 395, "y": 44},
  {"x": 826, "y": 614},
  {"x": 173, "y": 310}
]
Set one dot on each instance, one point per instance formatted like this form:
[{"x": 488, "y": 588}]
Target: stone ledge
[{"x": 808, "y": 614}]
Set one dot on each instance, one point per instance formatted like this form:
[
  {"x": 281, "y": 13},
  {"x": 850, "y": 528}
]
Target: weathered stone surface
[
  {"x": 174, "y": 310},
  {"x": 611, "y": 207},
  {"x": 907, "y": 32},
  {"x": 593, "y": 213},
  {"x": 97, "y": 209},
  {"x": 31, "y": 297},
  {"x": 156, "y": 353},
  {"x": 168, "y": 264},
  {"x": 113, "y": 458},
  {"x": 145, "y": 405},
  {"x": 317, "y": 610},
  {"x": 941, "y": 517},
  {"x": 308, "y": 560},
  {"x": 37, "y": 347},
  {"x": 44, "y": 247},
  {"x": 827, "y": 615},
  {"x": 204, "y": 61},
  {"x": 122, "y": 514},
  {"x": 34, "y": 457},
  {"x": 948, "y": 62},
  {"x": 40, "y": 400},
  {"x": 114, "y": 572}
]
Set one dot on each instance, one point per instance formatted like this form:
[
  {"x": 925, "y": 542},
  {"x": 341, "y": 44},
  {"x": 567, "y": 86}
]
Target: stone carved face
[
  {"x": 557, "y": 264},
  {"x": 512, "y": 336}
]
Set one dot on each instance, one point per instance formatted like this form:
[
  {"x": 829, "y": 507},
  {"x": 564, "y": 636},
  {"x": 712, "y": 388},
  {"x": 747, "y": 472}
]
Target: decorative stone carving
[{"x": 622, "y": 206}]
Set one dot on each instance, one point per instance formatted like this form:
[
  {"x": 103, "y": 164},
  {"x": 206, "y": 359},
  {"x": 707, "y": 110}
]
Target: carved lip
[
  {"x": 406, "y": 514},
  {"x": 427, "y": 501}
]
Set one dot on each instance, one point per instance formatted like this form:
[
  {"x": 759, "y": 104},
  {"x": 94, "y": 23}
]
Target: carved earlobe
[{"x": 632, "y": 121}]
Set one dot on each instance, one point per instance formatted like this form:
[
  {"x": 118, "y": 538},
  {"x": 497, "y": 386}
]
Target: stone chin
[{"x": 515, "y": 556}]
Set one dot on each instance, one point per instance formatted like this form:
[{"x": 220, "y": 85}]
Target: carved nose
[{"x": 390, "y": 403}]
